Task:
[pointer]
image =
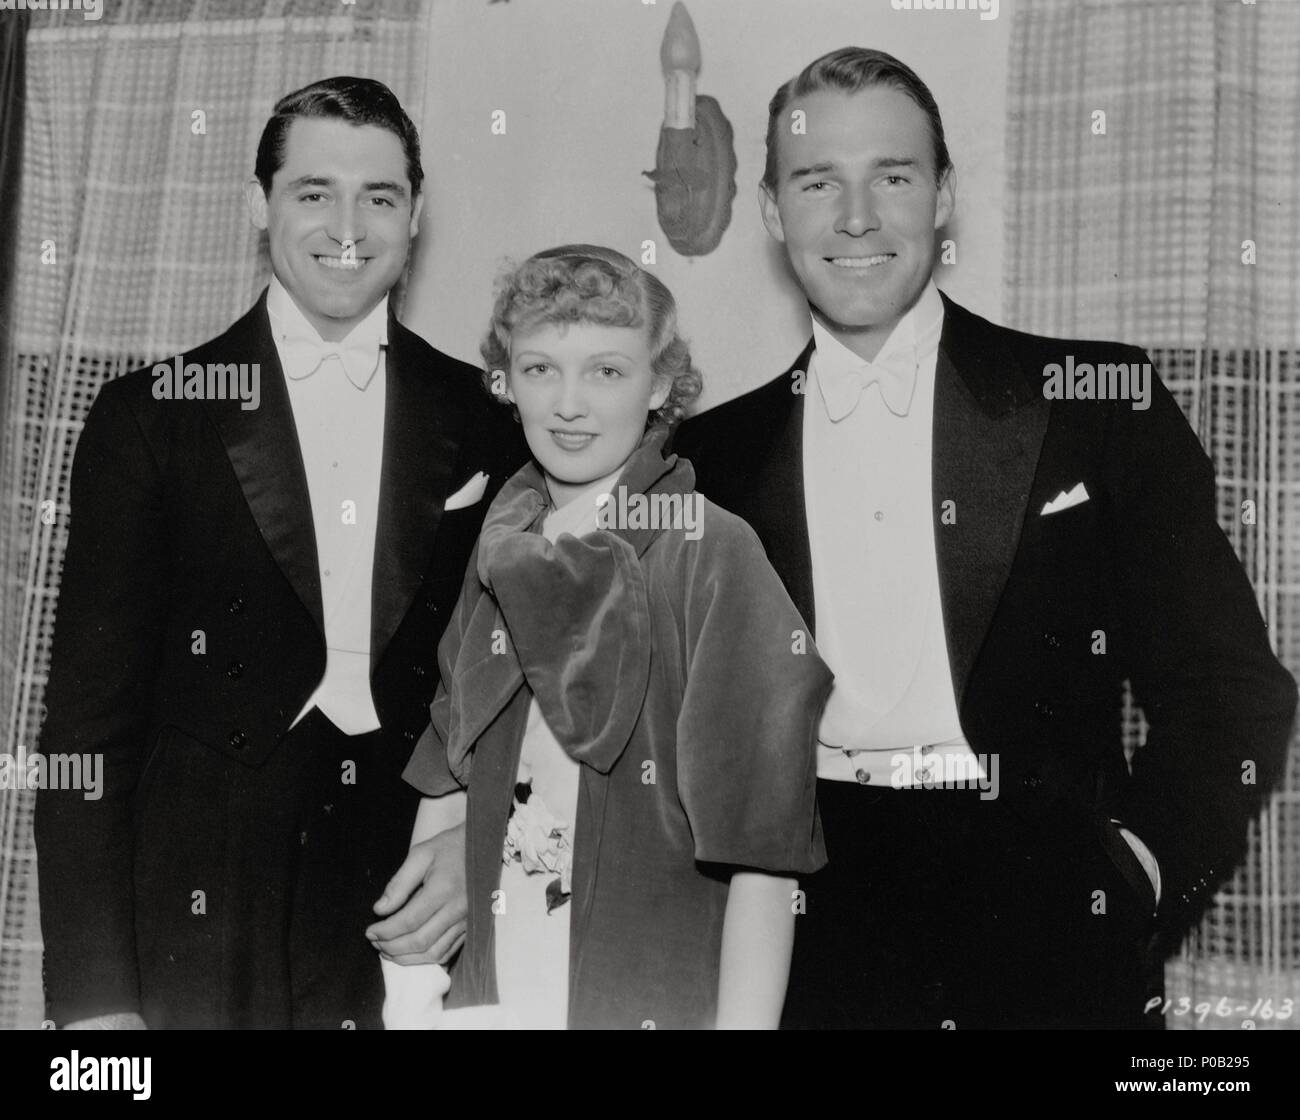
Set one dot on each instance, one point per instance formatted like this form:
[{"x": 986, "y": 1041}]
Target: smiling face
[
  {"x": 584, "y": 392},
  {"x": 339, "y": 183},
  {"x": 857, "y": 207}
]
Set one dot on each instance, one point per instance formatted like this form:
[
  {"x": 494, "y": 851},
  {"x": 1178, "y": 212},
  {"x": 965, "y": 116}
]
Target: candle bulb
[{"x": 680, "y": 58}]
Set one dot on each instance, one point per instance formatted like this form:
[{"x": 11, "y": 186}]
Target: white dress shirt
[
  {"x": 339, "y": 415},
  {"x": 867, "y": 487}
]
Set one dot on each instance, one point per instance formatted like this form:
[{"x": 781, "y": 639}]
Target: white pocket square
[
  {"x": 468, "y": 494},
  {"x": 1066, "y": 499}
]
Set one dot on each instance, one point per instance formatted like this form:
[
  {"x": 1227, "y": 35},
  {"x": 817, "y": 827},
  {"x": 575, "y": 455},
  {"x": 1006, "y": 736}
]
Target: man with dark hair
[
  {"x": 355, "y": 100},
  {"x": 984, "y": 560},
  {"x": 249, "y": 612}
]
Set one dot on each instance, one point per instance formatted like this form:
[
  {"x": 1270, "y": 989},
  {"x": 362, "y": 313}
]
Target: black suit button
[
  {"x": 236, "y": 605},
  {"x": 1050, "y": 640},
  {"x": 1043, "y": 709},
  {"x": 431, "y": 603},
  {"x": 235, "y": 670},
  {"x": 238, "y": 740},
  {"x": 409, "y": 736},
  {"x": 421, "y": 671},
  {"x": 1032, "y": 782}
]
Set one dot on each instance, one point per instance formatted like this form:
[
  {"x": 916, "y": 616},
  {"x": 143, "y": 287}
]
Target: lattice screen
[{"x": 1137, "y": 234}]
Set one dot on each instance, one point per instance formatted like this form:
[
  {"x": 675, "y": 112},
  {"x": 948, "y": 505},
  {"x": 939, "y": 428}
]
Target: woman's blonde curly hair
[{"x": 590, "y": 284}]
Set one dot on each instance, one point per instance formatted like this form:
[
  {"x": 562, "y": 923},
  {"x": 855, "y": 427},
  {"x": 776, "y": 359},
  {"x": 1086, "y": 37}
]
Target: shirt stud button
[
  {"x": 862, "y": 776},
  {"x": 879, "y": 515}
]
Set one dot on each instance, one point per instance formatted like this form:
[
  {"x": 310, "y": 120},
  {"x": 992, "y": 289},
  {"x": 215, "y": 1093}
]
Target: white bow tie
[
  {"x": 895, "y": 374},
  {"x": 304, "y": 356}
]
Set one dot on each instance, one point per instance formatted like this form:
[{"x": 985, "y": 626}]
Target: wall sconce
[{"x": 695, "y": 167}]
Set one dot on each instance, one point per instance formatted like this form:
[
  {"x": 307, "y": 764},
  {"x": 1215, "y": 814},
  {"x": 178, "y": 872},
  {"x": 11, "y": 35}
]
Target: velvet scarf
[{"x": 575, "y": 616}]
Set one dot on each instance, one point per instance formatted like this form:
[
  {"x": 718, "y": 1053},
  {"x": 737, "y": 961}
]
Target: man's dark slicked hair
[
  {"x": 851, "y": 70},
  {"x": 357, "y": 101}
]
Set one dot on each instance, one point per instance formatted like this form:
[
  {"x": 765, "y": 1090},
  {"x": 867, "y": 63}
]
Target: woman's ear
[{"x": 663, "y": 386}]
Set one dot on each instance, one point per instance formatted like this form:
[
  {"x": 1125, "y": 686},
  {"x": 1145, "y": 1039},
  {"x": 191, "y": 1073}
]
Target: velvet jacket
[{"x": 680, "y": 675}]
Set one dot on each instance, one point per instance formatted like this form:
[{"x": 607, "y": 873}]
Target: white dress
[{"x": 532, "y": 945}]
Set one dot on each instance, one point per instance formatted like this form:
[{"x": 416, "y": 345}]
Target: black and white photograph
[{"x": 527, "y": 515}]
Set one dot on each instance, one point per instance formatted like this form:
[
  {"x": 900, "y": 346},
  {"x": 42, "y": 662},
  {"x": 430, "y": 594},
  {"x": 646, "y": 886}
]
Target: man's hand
[
  {"x": 118, "y": 1021},
  {"x": 425, "y": 904}
]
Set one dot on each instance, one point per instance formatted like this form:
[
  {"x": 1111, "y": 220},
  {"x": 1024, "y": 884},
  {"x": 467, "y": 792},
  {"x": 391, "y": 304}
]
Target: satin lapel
[
  {"x": 422, "y": 432},
  {"x": 262, "y": 445},
  {"x": 779, "y": 515},
  {"x": 989, "y": 421}
]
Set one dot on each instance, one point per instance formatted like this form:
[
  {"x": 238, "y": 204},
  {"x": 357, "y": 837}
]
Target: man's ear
[
  {"x": 417, "y": 208},
  {"x": 771, "y": 213},
  {"x": 255, "y": 199},
  {"x": 947, "y": 198}
]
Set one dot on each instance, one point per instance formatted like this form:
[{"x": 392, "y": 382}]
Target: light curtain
[
  {"x": 1177, "y": 229},
  {"x": 133, "y": 244}
]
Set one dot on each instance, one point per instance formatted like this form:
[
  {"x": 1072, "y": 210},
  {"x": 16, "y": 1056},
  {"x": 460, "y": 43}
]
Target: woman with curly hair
[{"x": 628, "y": 696}]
